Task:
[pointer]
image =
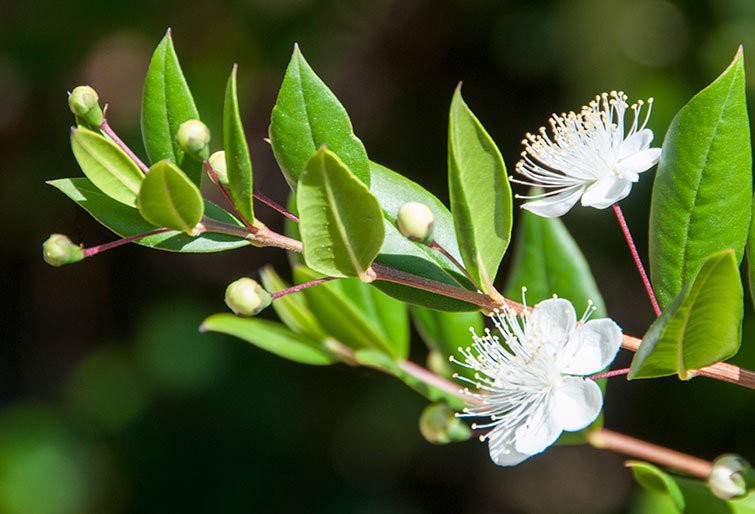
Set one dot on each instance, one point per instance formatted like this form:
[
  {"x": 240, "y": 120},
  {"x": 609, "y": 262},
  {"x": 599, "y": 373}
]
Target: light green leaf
[
  {"x": 702, "y": 194},
  {"x": 126, "y": 221},
  {"x": 341, "y": 223},
  {"x": 237, "y": 159},
  {"x": 357, "y": 314},
  {"x": 169, "y": 199},
  {"x": 480, "y": 194},
  {"x": 272, "y": 337},
  {"x": 446, "y": 331},
  {"x": 655, "y": 480},
  {"x": 306, "y": 116},
  {"x": 547, "y": 261},
  {"x": 166, "y": 103},
  {"x": 292, "y": 308},
  {"x": 106, "y": 165},
  {"x": 751, "y": 257},
  {"x": 702, "y": 326}
]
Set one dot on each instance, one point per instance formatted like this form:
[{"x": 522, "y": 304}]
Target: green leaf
[
  {"x": 106, "y": 165},
  {"x": 272, "y": 337},
  {"x": 292, "y": 308},
  {"x": 237, "y": 159},
  {"x": 702, "y": 326},
  {"x": 702, "y": 195},
  {"x": 126, "y": 221},
  {"x": 655, "y": 480},
  {"x": 306, "y": 116},
  {"x": 446, "y": 331},
  {"x": 166, "y": 103},
  {"x": 169, "y": 199},
  {"x": 341, "y": 222},
  {"x": 547, "y": 261},
  {"x": 751, "y": 257},
  {"x": 357, "y": 314},
  {"x": 480, "y": 194}
]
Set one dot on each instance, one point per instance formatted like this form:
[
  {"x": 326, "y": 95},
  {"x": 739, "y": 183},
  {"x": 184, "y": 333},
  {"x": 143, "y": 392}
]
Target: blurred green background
[{"x": 110, "y": 399}]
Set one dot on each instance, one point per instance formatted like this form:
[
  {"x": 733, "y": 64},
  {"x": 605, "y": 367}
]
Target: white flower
[
  {"x": 588, "y": 156},
  {"x": 530, "y": 384}
]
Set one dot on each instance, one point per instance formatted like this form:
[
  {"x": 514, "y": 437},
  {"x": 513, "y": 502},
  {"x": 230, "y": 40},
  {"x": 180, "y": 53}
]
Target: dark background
[{"x": 110, "y": 399}]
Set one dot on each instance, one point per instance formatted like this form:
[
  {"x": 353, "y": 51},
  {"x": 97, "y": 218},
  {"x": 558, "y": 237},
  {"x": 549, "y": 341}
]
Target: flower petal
[
  {"x": 635, "y": 143},
  {"x": 501, "y": 448},
  {"x": 639, "y": 162},
  {"x": 556, "y": 205},
  {"x": 592, "y": 347},
  {"x": 576, "y": 403},
  {"x": 606, "y": 191},
  {"x": 550, "y": 324},
  {"x": 539, "y": 431}
]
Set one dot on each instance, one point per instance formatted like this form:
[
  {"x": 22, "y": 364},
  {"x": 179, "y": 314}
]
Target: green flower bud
[
  {"x": 439, "y": 364},
  {"x": 193, "y": 137},
  {"x": 415, "y": 221},
  {"x": 245, "y": 297},
  {"x": 84, "y": 103},
  {"x": 217, "y": 161},
  {"x": 439, "y": 425},
  {"x": 731, "y": 477},
  {"x": 59, "y": 250}
]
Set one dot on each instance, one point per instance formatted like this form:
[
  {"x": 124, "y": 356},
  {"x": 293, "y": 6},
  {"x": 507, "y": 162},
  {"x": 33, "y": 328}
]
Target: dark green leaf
[
  {"x": 341, "y": 222},
  {"x": 168, "y": 198},
  {"x": 292, "y": 308},
  {"x": 272, "y": 337},
  {"x": 106, "y": 165},
  {"x": 480, "y": 194},
  {"x": 308, "y": 115},
  {"x": 702, "y": 326},
  {"x": 126, "y": 221},
  {"x": 166, "y": 103},
  {"x": 237, "y": 159},
  {"x": 703, "y": 189}
]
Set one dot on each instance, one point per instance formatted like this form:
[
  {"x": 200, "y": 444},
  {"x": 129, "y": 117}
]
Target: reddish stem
[
  {"x": 94, "y": 250},
  {"x": 215, "y": 180},
  {"x": 275, "y": 206},
  {"x": 636, "y": 257},
  {"x": 437, "y": 247},
  {"x": 305, "y": 285},
  {"x": 105, "y": 127},
  {"x": 609, "y": 374}
]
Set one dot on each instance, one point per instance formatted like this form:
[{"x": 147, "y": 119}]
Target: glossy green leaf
[
  {"x": 306, "y": 116},
  {"x": 168, "y": 198},
  {"x": 126, "y": 221},
  {"x": 656, "y": 480},
  {"x": 106, "y": 165},
  {"x": 237, "y": 158},
  {"x": 703, "y": 189},
  {"x": 547, "y": 261},
  {"x": 751, "y": 257},
  {"x": 166, "y": 103},
  {"x": 357, "y": 314},
  {"x": 480, "y": 194},
  {"x": 272, "y": 337},
  {"x": 341, "y": 223},
  {"x": 292, "y": 308},
  {"x": 446, "y": 331},
  {"x": 702, "y": 326}
]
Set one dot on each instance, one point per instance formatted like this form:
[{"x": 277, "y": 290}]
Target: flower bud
[
  {"x": 59, "y": 250},
  {"x": 217, "y": 161},
  {"x": 439, "y": 364},
  {"x": 415, "y": 221},
  {"x": 439, "y": 425},
  {"x": 730, "y": 476},
  {"x": 245, "y": 297},
  {"x": 193, "y": 137},
  {"x": 84, "y": 103}
]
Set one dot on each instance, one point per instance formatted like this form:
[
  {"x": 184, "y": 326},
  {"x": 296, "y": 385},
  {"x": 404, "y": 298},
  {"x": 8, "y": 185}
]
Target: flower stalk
[
  {"x": 105, "y": 127},
  {"x": 94, "y": 250}
]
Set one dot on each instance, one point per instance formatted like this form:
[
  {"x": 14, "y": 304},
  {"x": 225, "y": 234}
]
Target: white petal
[
  {"x": 539, "y": 431},
  {"x": 639, "y": 162},
  {"x": 635, "y": 143},
  {"x": 606, "y": 191},
  {"x": 550, "y": 324},
  {"x": 501, "y": 448},
  {"x": 576, "y": 403},
  {"x": 592, "y": 347},
  {"x": 556, "y": 205}
]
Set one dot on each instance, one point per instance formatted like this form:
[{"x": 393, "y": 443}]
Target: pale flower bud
[
  {"x": 193, "y": 137},
  {"x": 439, "y": 364},
  {"x": 59, "y": 250},
  {"x": 439, "y": 425},
  {"x": 217, "y": 161},
  {"x": 84, "y": 103},
  {"x": 729, "y": 476},
  {"x": 245, "y": 297},
  {"x": 415, "y": 221}
]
